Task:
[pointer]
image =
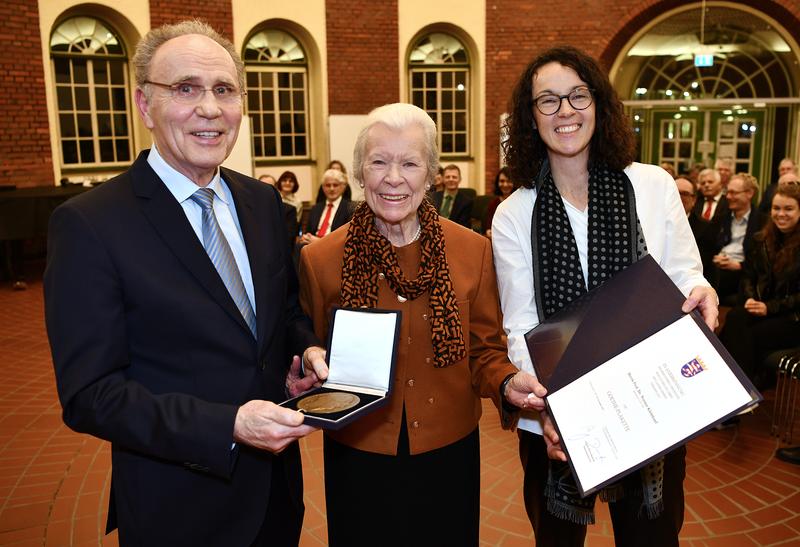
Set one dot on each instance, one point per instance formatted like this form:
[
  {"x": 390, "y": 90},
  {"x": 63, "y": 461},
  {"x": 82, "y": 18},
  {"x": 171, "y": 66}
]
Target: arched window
[
  {"x": 440, "y": 82},
  {"x": 90, "y": 71},
  {"x": 703, "y": 84},
  {"x": 277, "y": 95}
]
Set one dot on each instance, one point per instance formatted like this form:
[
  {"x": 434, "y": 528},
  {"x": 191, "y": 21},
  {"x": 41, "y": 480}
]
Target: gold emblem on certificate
[{"x": 327, "y": 403}]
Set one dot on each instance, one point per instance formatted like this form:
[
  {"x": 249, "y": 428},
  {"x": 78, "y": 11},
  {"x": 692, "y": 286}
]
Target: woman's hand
[
  {"x": 755, "y": 307},
  {"x": 525, "y": 391},
  {"x": 309, "y": 372},
  {"x": 551, "y": 439},
  {"x": 704, "y": 299}
]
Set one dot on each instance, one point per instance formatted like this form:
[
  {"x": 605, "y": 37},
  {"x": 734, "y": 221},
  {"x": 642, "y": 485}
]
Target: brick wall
[
  {"x": 25, "y": 158},
  {"x": 362, "y": 55},
  {"x": 518, "y": 29},
  {"x": 217, "y": 13}
]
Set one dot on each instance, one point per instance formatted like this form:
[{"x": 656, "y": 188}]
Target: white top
[
  {"x": 224, "y": 209},
  {"x": 666, "y": 230},
  {"x": 735, "y": 249},
  {"x": 336, "y": 203}
]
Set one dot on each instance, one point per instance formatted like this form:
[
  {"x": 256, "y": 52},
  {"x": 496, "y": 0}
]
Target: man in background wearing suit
[
  {"x": 332, "y": 212},
  {"x": 452, "y": 203},
  {"x": 735, "y": 237},
  {"x": 171, "y": 308},
  {"x": 711, "y": 208}
]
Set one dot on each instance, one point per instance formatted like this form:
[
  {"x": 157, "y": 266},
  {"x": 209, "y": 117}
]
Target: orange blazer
[{"x": 442, "y": 404}]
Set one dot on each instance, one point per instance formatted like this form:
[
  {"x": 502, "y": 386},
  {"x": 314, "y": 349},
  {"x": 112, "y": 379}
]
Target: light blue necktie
[{"x": 220, "y": 254}]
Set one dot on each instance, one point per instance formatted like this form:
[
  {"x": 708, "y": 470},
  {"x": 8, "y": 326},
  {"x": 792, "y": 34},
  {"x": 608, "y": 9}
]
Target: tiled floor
[{"x": 54, "y": 483}]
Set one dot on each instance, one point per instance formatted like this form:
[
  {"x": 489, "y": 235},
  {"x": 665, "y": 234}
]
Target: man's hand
[
  {"x": 267, "y": 426},
  {"x": 525, "y": 391},
  {"x": 704, "y": 299},
  {"x": 724, "y": 262},
  {"x": 551, "y": 439}
]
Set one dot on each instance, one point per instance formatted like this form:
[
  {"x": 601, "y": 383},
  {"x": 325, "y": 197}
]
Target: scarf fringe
[{"x": 570, "y": 513}]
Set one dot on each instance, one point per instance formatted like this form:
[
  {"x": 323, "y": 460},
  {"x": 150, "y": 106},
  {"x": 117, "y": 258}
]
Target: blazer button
[
  {"x": 425, "y": 316},
  {"x": 263, "y": 364},
  {"x": 381, "y": 276},
  {"x": 410, "y": 382},
  {"x": 428, "y": 360},
  {"x": 430, "y": 401},
  {"x": 415, "y": 424}
]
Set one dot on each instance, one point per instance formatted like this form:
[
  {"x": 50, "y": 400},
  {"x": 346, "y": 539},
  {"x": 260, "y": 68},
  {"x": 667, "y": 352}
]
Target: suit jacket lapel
[{"x": 167, "y": 217}]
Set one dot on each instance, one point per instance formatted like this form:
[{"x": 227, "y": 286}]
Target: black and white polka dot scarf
[{"x": 615, "y": 241}]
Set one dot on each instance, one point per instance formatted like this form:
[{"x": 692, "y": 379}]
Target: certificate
[
  {"x": 643, "y": 402},
  {"x": 630, "y": 376}
]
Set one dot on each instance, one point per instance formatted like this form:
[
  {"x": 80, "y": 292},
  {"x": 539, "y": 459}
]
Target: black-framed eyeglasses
[
  {"x": 579, "y": 98},
  {"x": 186, "y": 93}
]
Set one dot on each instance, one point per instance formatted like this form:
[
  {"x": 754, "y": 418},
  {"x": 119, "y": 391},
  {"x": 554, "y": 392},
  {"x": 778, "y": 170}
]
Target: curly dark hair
[
  {"x": 613, "y": 142},
  {"x": 784, "y": 247},
  {"x": 288, "y": 175}
]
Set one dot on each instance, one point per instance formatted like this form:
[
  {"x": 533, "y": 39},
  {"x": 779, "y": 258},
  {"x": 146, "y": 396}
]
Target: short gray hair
[
  {"x": 334, "y": 174},
  {"x": 157, "y": 37},
  {"x": 713, "y": 172},
  {"x": 398, "y": 116}
]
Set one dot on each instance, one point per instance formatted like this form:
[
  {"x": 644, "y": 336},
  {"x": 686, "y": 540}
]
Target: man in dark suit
[
  {"x": 735, "y": 237},
  {"x": 172, "y": 312},
  {"x": 711, "y": 208},
  {"x": 332, "y": 212},
  {"x": 451, "y": 202}
]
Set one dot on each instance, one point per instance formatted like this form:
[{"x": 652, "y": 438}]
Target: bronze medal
[{"x": 327, "y": 403}]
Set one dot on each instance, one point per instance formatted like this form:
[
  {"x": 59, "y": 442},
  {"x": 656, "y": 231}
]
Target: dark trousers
[
  {"x": 426, "y": 500},
  {"x": 284, "y": 520},
  {"x": 631, "y": 528},
  {"x": 749, "y": 339}
]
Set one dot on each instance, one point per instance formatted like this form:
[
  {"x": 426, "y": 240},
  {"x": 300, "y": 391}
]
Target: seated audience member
[
  {"x": 769, "y": 319},
  {"x": 438, "y": 180},
  {"x": 688, "y": 193},
  {"x": 332, "y": 213},
  {"x": 724, "y": 166},
  {"x": 289, "y": 212},
  {"x": 287, "y": 185},
  {"x": 667, "y": 166},
  {"x": 735, "y": 237},
  {"x": 787, "y": 170},
  {"x": 450, "y": 202},
  {"x": 502, "y": 189},
  {"x": 710, "y": 209},
  {"x": 348, "y": 191}
]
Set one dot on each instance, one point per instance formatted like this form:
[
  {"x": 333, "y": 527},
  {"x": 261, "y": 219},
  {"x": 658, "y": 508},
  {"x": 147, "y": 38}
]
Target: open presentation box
[{"x": 362, "y": 349}]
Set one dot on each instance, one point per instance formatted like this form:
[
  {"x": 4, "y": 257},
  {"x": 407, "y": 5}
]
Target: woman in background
[
  {"x": 502, "y": 189},
  {"x": 769, "y": 318},
  {"x": 287, "y": 185}
]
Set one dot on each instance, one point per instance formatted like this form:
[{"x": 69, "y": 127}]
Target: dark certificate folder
[{"x": 607, "y": 332}]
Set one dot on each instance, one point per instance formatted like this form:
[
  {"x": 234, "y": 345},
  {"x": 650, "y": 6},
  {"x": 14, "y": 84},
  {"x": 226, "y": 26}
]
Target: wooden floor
[{"x": 54, "y": 483}]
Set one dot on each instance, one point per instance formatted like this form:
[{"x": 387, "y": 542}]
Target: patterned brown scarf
[{"x": 367, "y": 254}]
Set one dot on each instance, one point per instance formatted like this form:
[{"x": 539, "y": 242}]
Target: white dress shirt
[
  {"x": 667, "y": 234},
  {"x": 224, "y": 209}
]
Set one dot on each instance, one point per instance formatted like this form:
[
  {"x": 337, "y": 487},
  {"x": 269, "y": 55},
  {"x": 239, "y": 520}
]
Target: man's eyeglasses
[
  {"x": 579, "y": 99},
  {"x": 187, "y": 93}
]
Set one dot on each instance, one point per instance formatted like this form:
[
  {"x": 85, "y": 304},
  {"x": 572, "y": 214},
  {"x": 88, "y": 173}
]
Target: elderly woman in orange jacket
[{"x": 409, "y": 473}]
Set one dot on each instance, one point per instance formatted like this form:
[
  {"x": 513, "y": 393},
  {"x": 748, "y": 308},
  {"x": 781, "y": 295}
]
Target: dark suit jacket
[
  {"x": 707, "y": 231},
  {"x": 461, "y": 211},
  {"x": 342, "y": 216},
  {"x": 151, "y": 354},
  {"x": 726, "y": 282}
]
